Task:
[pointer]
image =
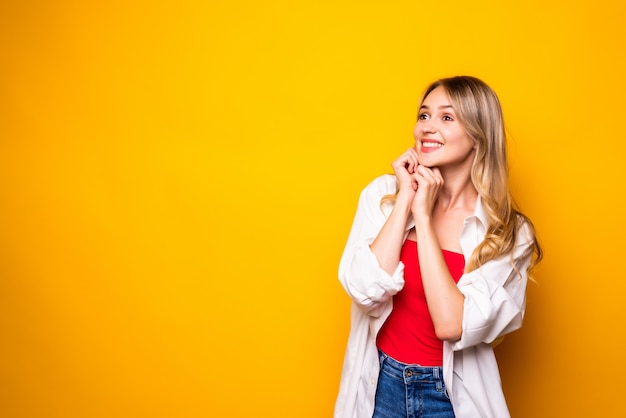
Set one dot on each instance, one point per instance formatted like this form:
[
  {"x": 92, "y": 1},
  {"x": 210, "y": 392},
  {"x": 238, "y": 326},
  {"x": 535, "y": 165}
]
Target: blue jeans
[{"x": 410, "y": 391}]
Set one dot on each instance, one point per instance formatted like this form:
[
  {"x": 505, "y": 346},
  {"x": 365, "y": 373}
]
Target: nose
[{"x": 426, "y": 126}]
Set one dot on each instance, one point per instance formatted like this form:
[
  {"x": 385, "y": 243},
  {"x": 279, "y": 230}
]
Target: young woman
[{"x": 436, "y": 265}]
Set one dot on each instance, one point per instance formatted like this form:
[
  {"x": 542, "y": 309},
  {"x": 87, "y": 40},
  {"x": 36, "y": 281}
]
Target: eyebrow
[{"x": 440, "y": 107}]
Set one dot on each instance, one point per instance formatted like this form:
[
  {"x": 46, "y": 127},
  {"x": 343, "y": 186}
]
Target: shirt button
[{"x": 373, "y": 381}]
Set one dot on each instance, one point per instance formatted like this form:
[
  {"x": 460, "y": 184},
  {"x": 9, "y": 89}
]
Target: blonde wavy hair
[{"x": 478, "y": 109}]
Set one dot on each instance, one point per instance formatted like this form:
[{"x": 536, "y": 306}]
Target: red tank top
[{"x": 408, "y": 334}]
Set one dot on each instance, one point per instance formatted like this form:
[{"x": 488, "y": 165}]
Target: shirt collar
[{"x": 480, "y": 213}]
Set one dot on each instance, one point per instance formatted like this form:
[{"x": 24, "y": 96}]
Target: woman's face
[{"x": 440, "y": 139}]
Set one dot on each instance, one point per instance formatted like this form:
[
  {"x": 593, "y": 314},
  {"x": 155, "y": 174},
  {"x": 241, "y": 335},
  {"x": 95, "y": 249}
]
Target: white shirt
[{"x": 495, "y": 299}]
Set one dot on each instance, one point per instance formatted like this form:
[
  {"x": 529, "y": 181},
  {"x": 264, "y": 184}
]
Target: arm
[
  {"x": 445, "y": 301},
  {"x": 388, "y": 243},
  {"x": 370, "y": 269}
]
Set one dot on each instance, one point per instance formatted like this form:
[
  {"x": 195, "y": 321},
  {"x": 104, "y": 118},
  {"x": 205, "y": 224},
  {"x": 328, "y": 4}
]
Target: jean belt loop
[{"x": 381, "y": 358}]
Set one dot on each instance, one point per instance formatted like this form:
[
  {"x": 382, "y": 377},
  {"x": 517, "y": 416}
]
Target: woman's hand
[
  {"x": 429, "y": 182},
  {"x": 404, "y": 168}
]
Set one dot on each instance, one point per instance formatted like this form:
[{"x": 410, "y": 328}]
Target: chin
[{"x": 427, "y": 162}]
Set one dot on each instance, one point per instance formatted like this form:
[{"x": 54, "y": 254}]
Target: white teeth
[{"x": 432, "y": 145}]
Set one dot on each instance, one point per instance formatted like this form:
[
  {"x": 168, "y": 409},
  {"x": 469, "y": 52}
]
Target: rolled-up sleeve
[
  {"x": 495, "y": 295},
  {"x": 360, "y": 274}
]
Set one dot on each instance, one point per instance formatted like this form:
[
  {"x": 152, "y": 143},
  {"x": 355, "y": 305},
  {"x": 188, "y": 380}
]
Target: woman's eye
[
  {"x": 448, "y": 118},
  {"x": 422, "y": 116}
]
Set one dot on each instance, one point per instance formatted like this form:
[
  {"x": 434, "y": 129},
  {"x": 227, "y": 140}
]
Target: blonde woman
[{"x": 436, "y": 265}]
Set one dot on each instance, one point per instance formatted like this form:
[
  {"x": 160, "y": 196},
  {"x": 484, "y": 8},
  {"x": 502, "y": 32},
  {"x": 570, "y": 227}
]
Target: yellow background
[{"x": 177, "y": 181}]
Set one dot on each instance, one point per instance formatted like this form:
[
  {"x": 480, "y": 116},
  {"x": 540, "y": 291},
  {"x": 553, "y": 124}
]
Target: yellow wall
[{"x": 177, "y": 181}]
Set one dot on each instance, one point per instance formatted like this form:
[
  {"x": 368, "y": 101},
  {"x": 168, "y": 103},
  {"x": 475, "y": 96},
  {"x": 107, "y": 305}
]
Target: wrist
[
  {"x": 420, "y": 218},
  {"x": 403, "y": 200}
]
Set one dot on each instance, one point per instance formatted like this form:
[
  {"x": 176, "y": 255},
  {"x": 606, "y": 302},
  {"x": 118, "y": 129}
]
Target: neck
[{"x": 458, "y": 192}]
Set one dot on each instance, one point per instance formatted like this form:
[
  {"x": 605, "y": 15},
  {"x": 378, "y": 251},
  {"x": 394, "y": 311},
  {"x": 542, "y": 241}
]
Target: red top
[{"x": 408, "y": 334}]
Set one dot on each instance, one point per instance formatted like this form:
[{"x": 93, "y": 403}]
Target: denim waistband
[{"x": 409, "y": 372}]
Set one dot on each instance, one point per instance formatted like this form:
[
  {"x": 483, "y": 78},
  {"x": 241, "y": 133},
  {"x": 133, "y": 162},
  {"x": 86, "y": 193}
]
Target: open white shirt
[{"x": 495, "y": 299}]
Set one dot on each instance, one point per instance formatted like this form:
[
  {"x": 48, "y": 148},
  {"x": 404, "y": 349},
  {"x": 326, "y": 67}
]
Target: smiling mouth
[{"x": 429, "y": 144}]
